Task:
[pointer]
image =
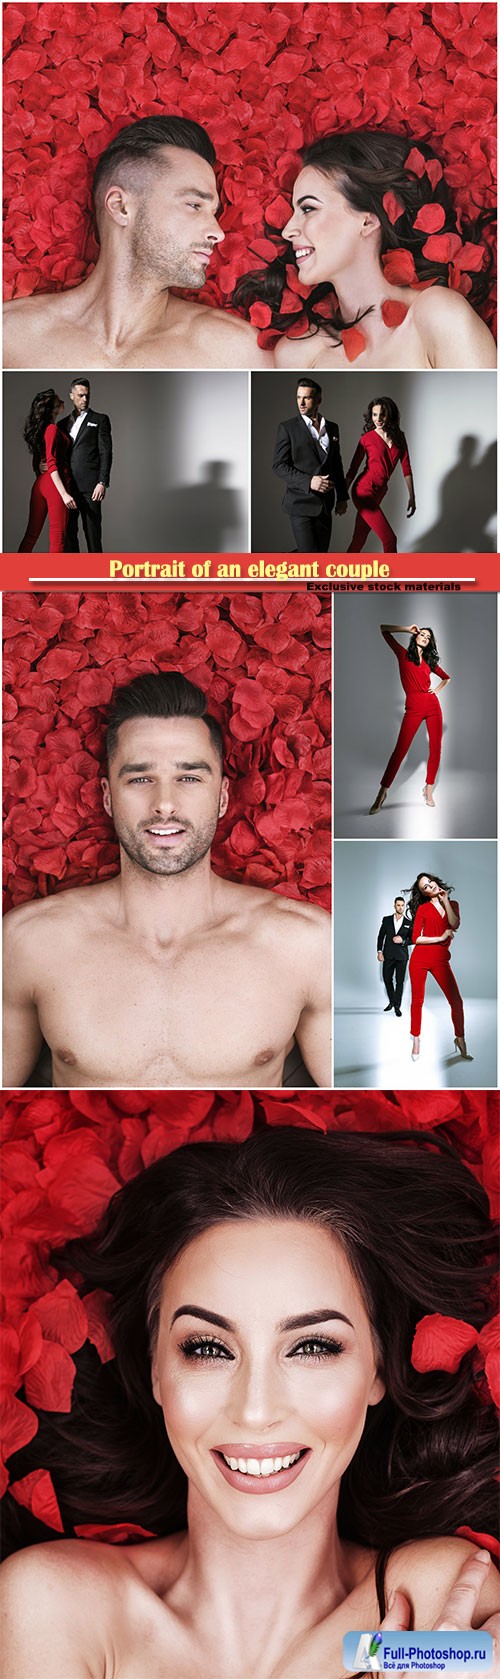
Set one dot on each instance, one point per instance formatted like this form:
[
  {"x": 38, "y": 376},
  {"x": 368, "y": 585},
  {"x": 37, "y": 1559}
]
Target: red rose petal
[
  {"x": 431, "y": 217},
  {"x": 36, "y": 1493},
  {"x": 415, "y": 162},
  {"x": 392, "y": 206},
  {"x": 442, "y": 247},
  {"x": 120, "y": 1534},
  {"x": 63, "y": 1317},
  {"x": 49, "y": 1384},
  {"x": 393, "y": 313},
  {"x": 399, "y": 268},
  {"x": 440, "y": 1343},
  {"x": 354, "y": 342}
]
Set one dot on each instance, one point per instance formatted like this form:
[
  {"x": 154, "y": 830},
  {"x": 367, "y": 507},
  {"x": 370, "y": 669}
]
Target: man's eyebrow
[
  {"x": 135, "y": 769},
  {"x": 196, "y": 764},
  {"x": 301, "y": 1322}
]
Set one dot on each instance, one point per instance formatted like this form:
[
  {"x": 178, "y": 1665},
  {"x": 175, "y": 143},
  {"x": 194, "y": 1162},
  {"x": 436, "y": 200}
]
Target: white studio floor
[
  {"x": 373, "y": 1050},
  {"x": 465, "y": 806}
]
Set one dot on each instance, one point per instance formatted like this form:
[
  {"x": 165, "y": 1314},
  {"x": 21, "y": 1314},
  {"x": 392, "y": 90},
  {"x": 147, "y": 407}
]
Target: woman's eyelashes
[{"x": 313, "y": 1349}]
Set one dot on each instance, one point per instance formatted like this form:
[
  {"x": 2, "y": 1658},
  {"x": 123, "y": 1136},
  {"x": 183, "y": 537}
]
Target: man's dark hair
[
  {"x": 80, "y": 379},
  {"x": 140, "y": 141},
  {"x": 166, "y": 693},
  {"x": 311, "y": 384}
]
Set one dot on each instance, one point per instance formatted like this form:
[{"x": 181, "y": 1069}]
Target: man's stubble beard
[
  {"x": 169, "y": 264},
  {"x": 167, "y": 861}
]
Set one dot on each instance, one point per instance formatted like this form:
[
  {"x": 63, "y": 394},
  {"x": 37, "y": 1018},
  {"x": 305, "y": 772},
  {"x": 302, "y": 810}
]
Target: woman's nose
[{"x": 257, "y": 1398}]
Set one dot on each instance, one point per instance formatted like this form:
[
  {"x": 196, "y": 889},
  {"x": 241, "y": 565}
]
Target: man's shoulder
[
  {"x": 291, "y": 918},
  {"x": 38, "y": 915},
  {"x": 25, "y": 319},
  {"x": 219, "y": 331}
]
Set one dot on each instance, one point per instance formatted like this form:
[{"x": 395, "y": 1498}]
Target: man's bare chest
[{"x": 217, "y": 1012}]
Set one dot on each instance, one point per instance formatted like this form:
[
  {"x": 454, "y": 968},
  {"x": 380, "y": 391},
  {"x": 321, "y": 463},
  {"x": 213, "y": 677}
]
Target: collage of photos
[{"x": 250, "y": 1121}]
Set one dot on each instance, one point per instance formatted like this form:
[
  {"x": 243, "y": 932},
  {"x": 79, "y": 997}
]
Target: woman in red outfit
[
  {"x": 50, "y": 452},
  {"x": 380, "y": 447},
  {"x": 417, "y": 663},
  {"x": 436, "y": 917}
]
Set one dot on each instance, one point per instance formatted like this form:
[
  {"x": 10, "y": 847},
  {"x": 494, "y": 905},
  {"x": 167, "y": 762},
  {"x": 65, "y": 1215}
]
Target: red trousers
[
  {"x": 45, "y": 499},
  {"x": 426, "y": 710},
  {"x": 433, "y": 959},
  {"x": 370, "y": 517}
]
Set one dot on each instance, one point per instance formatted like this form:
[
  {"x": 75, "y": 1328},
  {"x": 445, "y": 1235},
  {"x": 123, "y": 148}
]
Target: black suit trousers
[
  {"x": 312, "y": 535},
  {"x": 90, "y": 513},
  {"x": 393, "y": 974}
]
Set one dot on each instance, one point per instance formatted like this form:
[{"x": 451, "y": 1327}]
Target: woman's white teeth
[{"x": 260, "y": 1466}]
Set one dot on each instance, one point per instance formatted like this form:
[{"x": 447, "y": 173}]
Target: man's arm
[
  {"x": 22, "y": 1036},
  {"x": 283, "y": 464},
  {"x": 105, "y": 449},
  {"x": 338, "y": 474},
  {"x": 381, "y": 941}
]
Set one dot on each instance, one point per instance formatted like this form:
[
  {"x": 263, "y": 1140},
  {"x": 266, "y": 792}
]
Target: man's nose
[{"x": 215, "y": 233}]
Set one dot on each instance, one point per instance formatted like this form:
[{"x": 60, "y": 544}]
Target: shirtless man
[
  {"x": 155, "y": 200},
  {"x": 167, "y": 975}
]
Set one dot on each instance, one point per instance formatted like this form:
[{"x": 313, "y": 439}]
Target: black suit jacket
[
  {"x": 91, "y": 452},
  {"x": 298, "y": 458},
  {"x": 385, "y": 942}
]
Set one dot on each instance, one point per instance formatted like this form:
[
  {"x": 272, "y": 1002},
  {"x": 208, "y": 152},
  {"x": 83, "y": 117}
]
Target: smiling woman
[
  {"x": 373, "y": 228},
  {"x": 262, "y": 1415}
]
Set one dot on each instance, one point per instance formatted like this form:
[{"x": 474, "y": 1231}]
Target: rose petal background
[{"x": 264, "y": 661}]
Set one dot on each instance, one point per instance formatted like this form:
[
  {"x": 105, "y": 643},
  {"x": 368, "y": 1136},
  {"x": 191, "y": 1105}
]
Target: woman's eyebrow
[
  {"x": 306, "y": 1318},
  {"x": 199, "y": 1312},
  {"x": 301, "y": 1322},
  {"x": 307, "y": 198}
]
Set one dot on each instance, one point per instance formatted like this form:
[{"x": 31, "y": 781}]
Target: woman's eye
[
  {"x": 317, "y": 1348},
  {"x": 203, "y": 1348}
]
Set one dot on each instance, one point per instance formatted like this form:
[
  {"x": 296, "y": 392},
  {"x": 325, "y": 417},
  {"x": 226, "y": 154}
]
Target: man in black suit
[
  {"x": 307, "y": 456},
  {"x": 91, "y": 456},
  {"x": 392, "y": 951}
]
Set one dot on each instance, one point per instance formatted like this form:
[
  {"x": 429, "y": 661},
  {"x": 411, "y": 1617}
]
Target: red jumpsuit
[
  {"x": 371, "y": 487},
  {"x": 45, "y": 498},
  {"x": 421, "y": 706},
  {"x": 433, "y": 959}
]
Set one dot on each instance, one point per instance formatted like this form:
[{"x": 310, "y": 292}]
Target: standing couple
[
  {"x": 307, "y": 458},
  {"x": 72, "y": 465}
]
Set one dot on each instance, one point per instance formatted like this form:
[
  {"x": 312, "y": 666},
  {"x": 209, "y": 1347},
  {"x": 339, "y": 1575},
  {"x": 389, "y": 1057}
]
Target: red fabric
[
  {"x": 369, "y": 519},
  {"x": 264, "y": 661},
  {"x": 416, "y": 679},
  {"x": 45, "y": 499},
  {"x": 54, "y": 1142},
  {"x": 433, "y": 959},
  {"x": 264, "y": 79},
  {"x": 381, "y": 459},
  {"x": 428, "y": 710}
]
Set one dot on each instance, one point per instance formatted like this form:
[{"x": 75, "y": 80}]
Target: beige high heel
[
  {"x": 463, "y": 1052},
  {"x": 428, "y": 799},
  {"x": 415, "y": 1052},
  {"x": 378, "y": 802}
]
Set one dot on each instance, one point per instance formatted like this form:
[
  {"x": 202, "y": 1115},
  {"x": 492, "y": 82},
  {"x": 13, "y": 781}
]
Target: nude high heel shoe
[
  {"x": 378, "y": 802},
  {"x": 428, "y": 799},
  {"x": 463, "y": 1051},
  {"x": 415, "y": 1052}
]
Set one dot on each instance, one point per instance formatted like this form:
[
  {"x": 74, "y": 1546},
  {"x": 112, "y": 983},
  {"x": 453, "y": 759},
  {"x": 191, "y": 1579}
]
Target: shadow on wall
[
  {"x": 467, "y": 501},
  {"x": 207, "y": 517}
]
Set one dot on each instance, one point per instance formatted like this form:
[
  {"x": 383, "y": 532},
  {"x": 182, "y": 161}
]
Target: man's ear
[
  {"x": 224, "y": 796},
  {"x": 106, "y": 795},
  {"x": 117, "y": 204}
]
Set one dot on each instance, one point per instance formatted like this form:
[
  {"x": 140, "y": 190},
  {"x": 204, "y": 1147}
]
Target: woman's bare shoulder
[
  {"x": 52, "y": 1607},
  {"x": 452, "y": 333},
  {"x": 426, "y": 1569}
]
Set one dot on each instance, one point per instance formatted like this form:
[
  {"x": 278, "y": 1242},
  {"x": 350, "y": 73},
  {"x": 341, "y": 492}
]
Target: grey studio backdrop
[
  {"x": 449, "y": 420},
  {"x": 368, "y": 877},
  {"x": 179, "y": 480},
  {"x": 369, "y": 706}
]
